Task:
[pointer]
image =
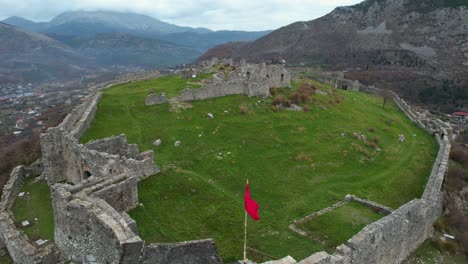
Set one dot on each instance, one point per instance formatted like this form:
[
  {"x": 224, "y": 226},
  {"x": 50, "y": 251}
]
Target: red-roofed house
[{"x": 461, "y": 117}]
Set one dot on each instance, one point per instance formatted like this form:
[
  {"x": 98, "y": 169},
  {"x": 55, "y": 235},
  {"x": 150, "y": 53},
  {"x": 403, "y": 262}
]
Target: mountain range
[
  {"x": 417, "y": 47},
  {"x": 101, "y": 39},
  {"x": 29, "y": 56}
]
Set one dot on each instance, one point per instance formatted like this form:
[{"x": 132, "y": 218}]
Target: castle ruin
[
  {"x": 246, "y": 79},
  {"x": 93, "y": 186}
]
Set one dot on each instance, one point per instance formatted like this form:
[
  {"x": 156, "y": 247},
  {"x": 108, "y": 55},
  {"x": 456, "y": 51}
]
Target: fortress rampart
[
  {"x": 247, "y": 79},
  {"x": 20, "y": 248},
  {"x": 94, "y": 185},
  {"x": 392, "y": 238}
]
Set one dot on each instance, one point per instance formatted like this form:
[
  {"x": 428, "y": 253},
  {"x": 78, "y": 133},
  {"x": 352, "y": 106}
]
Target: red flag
[{"x": 251, "y": 205}]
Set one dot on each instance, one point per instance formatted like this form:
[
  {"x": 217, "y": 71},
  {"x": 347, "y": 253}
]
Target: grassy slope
[
  {"x": 427, "y": 253},
  {"x": 341, "y": 224},
  {"x": 39, "y": 206},
  {"x": 198, "y": 196}
]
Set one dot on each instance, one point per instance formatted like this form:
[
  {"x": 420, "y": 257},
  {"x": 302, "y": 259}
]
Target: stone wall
[
  {"x": 115, "y": 145},
  {"x": 191, "y": 252},
  {"x": 371, "y": 204},
  {"x": 392, "y": 238},
  {"x": 120, "y": 192},
  {"x": 20, "y": 248},
  {"x": 89, "y": 228},
  {"x": 246, "y": 79},
  {"x": 93, "y": 185},
  {"x": 67, "y": 160}
]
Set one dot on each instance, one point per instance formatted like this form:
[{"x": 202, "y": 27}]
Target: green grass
[
  {"x": 428, "y": 254},
  {"x": 337, "y": 226},
  {"x": 296, "y": 162},
  {"x": 37, "y": 205},
  {"x": 6, "y": 259}
]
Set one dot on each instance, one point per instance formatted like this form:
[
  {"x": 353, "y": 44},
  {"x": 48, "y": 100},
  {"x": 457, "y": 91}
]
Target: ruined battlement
[
  {"x": 94, "y": 185},
  {"x": 100, "y": 231},
  {"x": 67, "y": 160},
  {"x": 392, "y": 238},
  {"x": 247, "y": 79},
  {"x": 21, "y": 249}
]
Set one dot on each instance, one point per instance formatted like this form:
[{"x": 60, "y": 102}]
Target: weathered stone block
[{"x": 153, "y": 99}]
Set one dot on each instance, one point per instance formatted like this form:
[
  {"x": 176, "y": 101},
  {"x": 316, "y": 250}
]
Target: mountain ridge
[
  {"x": 88, "y": 24},
  {"x": 416, "y": 47},
  {"x": 32, "y": 56}
]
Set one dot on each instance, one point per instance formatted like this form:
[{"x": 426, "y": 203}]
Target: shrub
[
  {"x": 460, "y": 155},
  {"x": 444, "y": 245},
  {"x": 372, "y": 130},
  {"x": 303, "y": 93},
  {"x": 243, "y": 109},
  {"x": 295, "y": 98},
  {"x": 275, "y": 108},
  {"x": 451, "y": 246},
  {"x": 273, "y": 91},
  {"x": 455, "y": 178},
  {"x": 287, "y": 103},
  {"x": 279, "y": 100},
  {"x": 306, "y": 108},
  {"x": 376, "y": 140},
  {"x": 464, "y": 241},
  {"x": 440, "y": 225},
  {"x": 299, "y": 98},
  {"x": 307, "y": 88}
]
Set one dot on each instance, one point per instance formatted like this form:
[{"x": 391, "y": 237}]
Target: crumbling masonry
[
  {"x": 246, "y": 79},
  {"x": 94, "y": 185}
]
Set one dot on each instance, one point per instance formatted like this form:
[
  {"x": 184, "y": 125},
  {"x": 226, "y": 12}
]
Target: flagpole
[
  {"x": 245, "y": 233},
  {"x": 245, "y": 237}
]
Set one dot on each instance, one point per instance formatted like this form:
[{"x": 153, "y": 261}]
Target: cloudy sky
[{"x": 213, "y": 14}]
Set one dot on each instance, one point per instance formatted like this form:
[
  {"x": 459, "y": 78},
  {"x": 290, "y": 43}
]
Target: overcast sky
[{"x": 212, "y": 14}]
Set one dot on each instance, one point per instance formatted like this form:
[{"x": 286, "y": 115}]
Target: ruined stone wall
[
  {"x": 67, "y": 160},
  {"x": 90, "y": 223},
  {"x": 247, "y": 79},
  {"x": 120, "y": 192},
  {"x": 89, "y": 228},
  {"x": 392, "y": 238},
  {"x": 17, "y": 243},
  {"x": 115, "y": 145},
  {"x": 190, "y": 252}
]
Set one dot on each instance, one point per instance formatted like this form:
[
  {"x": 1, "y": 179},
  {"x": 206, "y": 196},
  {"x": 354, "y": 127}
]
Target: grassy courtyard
[
  {"x": 340, "y": 224},
  {"x": 36, "y": 205},
  {"x": 296, "y": 163}
]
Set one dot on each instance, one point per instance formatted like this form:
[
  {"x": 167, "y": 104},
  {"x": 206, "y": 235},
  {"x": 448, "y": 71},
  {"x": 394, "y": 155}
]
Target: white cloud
[{"x": 213, "y": 14}]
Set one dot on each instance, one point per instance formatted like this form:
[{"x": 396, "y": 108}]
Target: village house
[{"x": 461, "y": 118}]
